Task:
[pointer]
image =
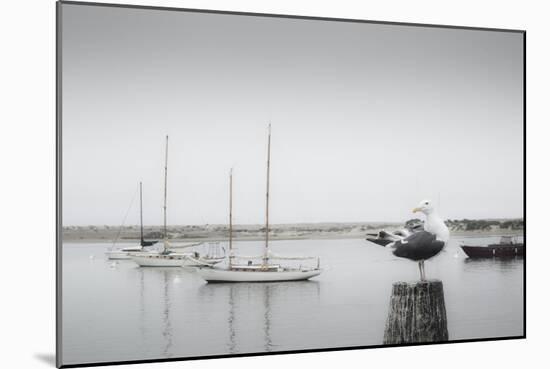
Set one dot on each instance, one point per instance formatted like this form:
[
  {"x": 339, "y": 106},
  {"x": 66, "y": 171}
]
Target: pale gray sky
[{"x": 367, "y": 119}]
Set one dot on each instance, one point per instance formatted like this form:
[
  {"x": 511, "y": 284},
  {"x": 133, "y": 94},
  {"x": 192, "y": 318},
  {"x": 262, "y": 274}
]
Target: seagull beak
[{"x": 416, "y": 209}]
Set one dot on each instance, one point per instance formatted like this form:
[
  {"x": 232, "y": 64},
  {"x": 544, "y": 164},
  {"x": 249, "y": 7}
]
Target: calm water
[{"x": 118, "y": 311}]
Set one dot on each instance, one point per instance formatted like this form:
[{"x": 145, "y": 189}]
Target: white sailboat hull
[
  {"x": 225, "y": 275},
  {"x": 158, "y": 260}
]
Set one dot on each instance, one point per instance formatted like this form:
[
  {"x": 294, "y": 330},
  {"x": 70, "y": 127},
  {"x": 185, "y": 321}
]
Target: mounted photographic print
[{"x": 246, "y": 184}]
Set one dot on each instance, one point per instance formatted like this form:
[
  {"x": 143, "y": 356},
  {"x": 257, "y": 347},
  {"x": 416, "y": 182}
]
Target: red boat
[{"x": 506, "y": 248}]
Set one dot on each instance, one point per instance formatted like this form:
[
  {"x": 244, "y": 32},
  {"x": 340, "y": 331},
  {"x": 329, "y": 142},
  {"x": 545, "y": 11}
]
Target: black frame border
[{"x": 58, "y": 147}]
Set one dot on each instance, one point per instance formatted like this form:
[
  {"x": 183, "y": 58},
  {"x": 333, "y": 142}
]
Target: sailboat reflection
[
  {"x": 257, "y": 309},
  {"x": 267, "y": 317},
  {"x": 503, "y": 265},
  {"x": 158, "y": 277},
  {"x": 167, "y": 331}
]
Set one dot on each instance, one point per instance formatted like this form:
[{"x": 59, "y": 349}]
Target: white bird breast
[{"x": 434, "y": 224}]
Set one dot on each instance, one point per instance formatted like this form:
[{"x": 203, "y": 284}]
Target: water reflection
[
  {"x": 504, "y": 265},
  {"x": 142, "y": 305},
  {"x": 148, "y": 313},
  {"x": 232, "y": 345},
  {"x": 267, "y": 317},
  {"x": 167, "y": 331},
  {"x": 267, "y": 299},
  {"x": 158, "y": 277}
]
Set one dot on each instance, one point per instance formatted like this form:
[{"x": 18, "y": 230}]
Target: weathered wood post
[{"x": 417, "y": 313}]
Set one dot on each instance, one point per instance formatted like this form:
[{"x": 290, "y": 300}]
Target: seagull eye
[{"x": 426, "y": 203}]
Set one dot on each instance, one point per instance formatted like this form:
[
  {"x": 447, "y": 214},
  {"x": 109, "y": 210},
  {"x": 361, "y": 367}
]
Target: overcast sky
[{"x": 367, "y": 119}]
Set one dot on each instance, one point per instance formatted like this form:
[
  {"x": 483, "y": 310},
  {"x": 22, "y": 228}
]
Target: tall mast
[
  {"x": 266, "y": 250},
  {"x": 141, "y": 213},
  {"x": 165, "y": 190},
  {"x": 230, "y": 218}
]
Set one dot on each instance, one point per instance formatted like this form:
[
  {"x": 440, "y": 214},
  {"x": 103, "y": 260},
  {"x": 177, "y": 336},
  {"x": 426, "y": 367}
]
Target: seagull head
[{"x": 425, "y": 206}]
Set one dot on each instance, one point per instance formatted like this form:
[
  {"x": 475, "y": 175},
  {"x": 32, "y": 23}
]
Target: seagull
[{"x": 425, "y": 244}]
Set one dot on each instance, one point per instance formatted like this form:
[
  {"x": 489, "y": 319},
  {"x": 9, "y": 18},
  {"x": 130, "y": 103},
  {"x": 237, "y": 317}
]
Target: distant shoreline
[
  {"x": 273, "y": 237},
  {"x": 297, "y": 231}
]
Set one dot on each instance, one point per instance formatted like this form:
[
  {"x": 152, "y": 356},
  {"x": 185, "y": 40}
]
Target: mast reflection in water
[{"x": 256, "y": 310}]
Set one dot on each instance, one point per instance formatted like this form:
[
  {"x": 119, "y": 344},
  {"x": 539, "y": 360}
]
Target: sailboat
[
  {"x": 259, "y": 272},
  {"x": 166, "y": 257},
  {"x": 123, "y": 253}
]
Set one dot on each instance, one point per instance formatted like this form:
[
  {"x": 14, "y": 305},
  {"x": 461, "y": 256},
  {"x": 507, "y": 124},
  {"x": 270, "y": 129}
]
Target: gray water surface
[{"x": 115, "y": 311}]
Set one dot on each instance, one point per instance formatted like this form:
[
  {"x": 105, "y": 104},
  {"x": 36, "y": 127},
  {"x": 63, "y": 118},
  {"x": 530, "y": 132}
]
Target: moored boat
[
  {"x": 507, "y": 247},
  {"x": 167, "y": 257},
  {"x": 257, "y": 272}
]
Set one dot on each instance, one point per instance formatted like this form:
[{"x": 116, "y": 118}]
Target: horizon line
[{"x": 292, "y": 223}]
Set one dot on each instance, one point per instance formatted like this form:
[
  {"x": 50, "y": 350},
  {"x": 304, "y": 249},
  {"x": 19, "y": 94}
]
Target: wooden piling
[{"x": 417, "y": 313}]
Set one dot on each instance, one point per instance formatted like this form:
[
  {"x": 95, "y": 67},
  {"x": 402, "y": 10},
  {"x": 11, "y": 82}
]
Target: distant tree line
[{"x": 484, "y": 225}]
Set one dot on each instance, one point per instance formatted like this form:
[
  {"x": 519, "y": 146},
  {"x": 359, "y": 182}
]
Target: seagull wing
[
  {"x": 390, "y": 236},
  {"x": 418, "y": 246}
]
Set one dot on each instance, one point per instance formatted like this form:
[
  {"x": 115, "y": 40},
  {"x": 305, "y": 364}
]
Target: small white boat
[{"x": 264, "y": 271}]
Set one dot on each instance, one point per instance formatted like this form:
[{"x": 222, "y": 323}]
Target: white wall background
[{"x": 27, "y": 185}]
